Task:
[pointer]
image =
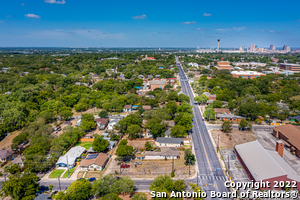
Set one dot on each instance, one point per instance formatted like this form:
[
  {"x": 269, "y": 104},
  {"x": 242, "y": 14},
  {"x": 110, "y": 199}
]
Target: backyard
[{"x": 86, "y": 145}]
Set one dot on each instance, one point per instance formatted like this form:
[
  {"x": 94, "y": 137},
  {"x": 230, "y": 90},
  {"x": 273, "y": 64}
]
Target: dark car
[
  {"x": 92, "y": 179},
  {"x": 44, "y": 188}
]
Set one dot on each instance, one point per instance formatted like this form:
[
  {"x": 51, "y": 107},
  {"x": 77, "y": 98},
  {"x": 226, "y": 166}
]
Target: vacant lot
[
  {"x": 57, "y": 172},
  {"x": 228, "y": 140},
  {"x": 7, "y": 141},
  {"x": 139, "y": 143},
  {"x": 153, "y": 168},
  {"x": 86, "y": 145}
]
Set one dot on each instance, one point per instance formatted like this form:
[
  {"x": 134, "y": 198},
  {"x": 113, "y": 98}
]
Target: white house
[
  {"x": 165, "y": 152},
  {"x": 169, "y": 142},
  {"x": 193, "y": 64},
  {"x": 69, "y": 159}
]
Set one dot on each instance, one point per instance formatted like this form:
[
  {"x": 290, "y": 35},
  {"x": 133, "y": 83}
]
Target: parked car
[
  {"x": 138, "y": 163},
  {"x": 44, "y": 188},
  {"x": 125, "y": 166},
  {"x": 92, "y": 179}
]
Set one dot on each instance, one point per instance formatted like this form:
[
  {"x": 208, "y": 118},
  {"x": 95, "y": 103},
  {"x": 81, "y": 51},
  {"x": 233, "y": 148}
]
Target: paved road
[{"x": 210, "y": 175}]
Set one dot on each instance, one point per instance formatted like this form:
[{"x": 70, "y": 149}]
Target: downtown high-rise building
[
  {"x": 284, "y": 48},
  {"x": 252, "y": 48},
  {"x": 271, "y": 47}
]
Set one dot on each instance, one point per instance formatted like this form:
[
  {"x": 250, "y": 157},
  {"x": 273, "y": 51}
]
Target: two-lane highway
[{"x": 211, "y": 177}]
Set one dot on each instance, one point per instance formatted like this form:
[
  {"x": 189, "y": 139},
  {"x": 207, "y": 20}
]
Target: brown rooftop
[
  {"x": 127, "y": 107},
  {"x": 222, "y": 111},
  {"x": 292, "y": 134},
  {"x": 100, "y": 160},
  {"x": 101, "y": 120},
  {"x": 146, "y": 107}
]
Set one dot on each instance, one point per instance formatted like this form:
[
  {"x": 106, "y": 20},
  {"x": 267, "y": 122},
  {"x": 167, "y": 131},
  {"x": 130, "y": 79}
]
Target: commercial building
[
  {"x": 290, "y": 135},
  {"x": 252, "y": 48},
  {"x": 289, "y": 66},
  {"x": 247, "y": 74},
  {"x": 265, "y": 165},
  {"x": 224, "y": 65}
]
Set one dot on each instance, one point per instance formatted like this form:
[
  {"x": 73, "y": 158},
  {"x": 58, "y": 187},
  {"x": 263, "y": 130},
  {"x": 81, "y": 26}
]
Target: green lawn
[
  {"x": 86, "y": 145},
  {"x": 70, "y": 172},
  {"x": 56, "y": 173}
]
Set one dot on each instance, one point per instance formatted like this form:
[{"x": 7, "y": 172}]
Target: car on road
[
  {"x": 125, "y": 166},
  {"x": 43, "y": 188},
  {"x": 138, "y": 163},
  {"x": 92, "y": 179}
]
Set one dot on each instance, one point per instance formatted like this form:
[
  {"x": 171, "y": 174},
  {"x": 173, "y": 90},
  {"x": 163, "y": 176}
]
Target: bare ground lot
[
  {"x": 7, "y": 141},
  {"x": 228, "y": 140},
  {"x": 153, "y": 168},
  {"x": 139, "y": 143}
]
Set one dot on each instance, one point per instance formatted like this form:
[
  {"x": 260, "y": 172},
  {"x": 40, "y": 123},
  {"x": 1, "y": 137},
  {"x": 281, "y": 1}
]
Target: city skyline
[{"x": 65, "y": 23}]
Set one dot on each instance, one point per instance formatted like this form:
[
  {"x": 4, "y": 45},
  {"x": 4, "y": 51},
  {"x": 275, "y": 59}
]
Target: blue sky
[{"x": 164, "y": 23}]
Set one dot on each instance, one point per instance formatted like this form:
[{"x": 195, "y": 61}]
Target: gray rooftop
[
  {"x": 169, "y": 140},
  {"x": 71, "y": 155},
  {"x": 164, "y": 151},
  {"x": 264, "y": 164},
  {"x": 228, "y": 116}
]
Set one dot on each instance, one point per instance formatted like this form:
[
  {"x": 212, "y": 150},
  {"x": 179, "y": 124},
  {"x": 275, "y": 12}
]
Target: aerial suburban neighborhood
[{"x": 115, "y": 100}]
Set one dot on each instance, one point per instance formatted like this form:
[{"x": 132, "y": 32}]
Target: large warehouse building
[{"x": 265, "y": 165}]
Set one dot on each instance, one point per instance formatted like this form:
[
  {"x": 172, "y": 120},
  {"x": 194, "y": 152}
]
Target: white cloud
[
  {"x": 271, "y": 31},
  {"x": 55, "y": 1},
  {"x": 240, "y": 28},
  {"x": 191, "y": 22},
  {"x": 222, "y": 30},
  {"x": 206, "y": 15},
  {"x": 32, "y": 16},
  {"x": 199, "y": 29},
  {"x": 22, "y": 4},
  {"x": 139, "y": 17}
]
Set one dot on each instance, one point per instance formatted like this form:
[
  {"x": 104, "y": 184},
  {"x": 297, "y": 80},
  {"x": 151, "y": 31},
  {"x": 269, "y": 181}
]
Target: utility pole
[
  {"x": 59, "y": 183},
  {"x": 228, "y": 164},
  {"x": 173, "y": 165},
  {"x": 4, "y": 177},
  {"x": 197, "y": 178},
  {"x": 218, "y": 142},
  {"x": 189, "y": 167},
  {"x": 67, "y": 165}
]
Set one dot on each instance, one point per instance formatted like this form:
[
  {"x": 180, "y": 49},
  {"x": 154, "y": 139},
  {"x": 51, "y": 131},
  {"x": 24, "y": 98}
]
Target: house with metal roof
[
  {"x": 169, "y": 142},
  {"x": 265, "y": 165},
  {"x": 165, "y": 152},
  {"x": 69, "y": 159}
]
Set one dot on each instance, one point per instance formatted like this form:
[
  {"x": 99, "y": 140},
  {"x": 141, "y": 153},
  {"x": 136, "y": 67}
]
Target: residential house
[
  {"x": 127, "y": 108},
  {"x": 122, "y": 77},
  {"x": 165, "y": 152},
  {"x": 169, "y": 142},
  {"x": 18, "y": 161},
  {"x": 5, "y": 155},
  {"x": 167, "y": 133},
  {"x": 114, "y": 119},
  {"x": 150, "y": 96},
  {"x": 69, "y": 159},
  {"x": 78, "y": 123},
  {"x": 191, "y": 64},
  {"x": 172, "y": 81},
  {"x": 141, "y": 76},
  {"x": 157, "y": 84},
  {"x": 101, "y": 123},
  {"x": 135, "y": 107},
  {"x": 210, "y": 96},
  {"x": 111, "y": 145},
  {"x": 229, "y": 117},
  {"x": 146, "y": 107},
  {"x": 94, "y": 161},
  {"x": 295, "y": 119}
]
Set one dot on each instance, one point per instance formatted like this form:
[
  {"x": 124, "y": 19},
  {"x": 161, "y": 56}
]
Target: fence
[{"x": 86, "y": 139}]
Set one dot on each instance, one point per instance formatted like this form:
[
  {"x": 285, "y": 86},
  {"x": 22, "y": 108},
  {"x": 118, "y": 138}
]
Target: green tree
[
  {"x": 139, "y": 196},
  {"x": 123, "y": 142},
  {"x": 21, "y": 186},
  {"x": 87, "y": 121},
  {"x": 14, "y": 168},
  {"x": 244, "y": 124},
  {"x": 189, "y": 157},
  {"x": 78, "y": 190},
  {"x": 134, "y": 131},
  {"x": 185, "y": 107},
  {"x": 178, "y": 131},
  {"x": 209, "y": 113},
  {"x": 103, "y": 113},
  {"x": 201, "y": 99},
  {"x": 184, "y": 119},
  {"x": 65, "y": 113},
  {"x": 197, "y": 189},
  {"x": 148, "y": 146},
  {"x": 171, "y": 107},
  {"x": 183, "y": 98},
  {"x": 111, "y": 196},
  {"x": 217, "y": 104},
  {"x": 81, "y": 107},
  {"x": 226, "y": 126},
  {"x": 191, "y": 75},
  {"x": 99, "y": 144}
]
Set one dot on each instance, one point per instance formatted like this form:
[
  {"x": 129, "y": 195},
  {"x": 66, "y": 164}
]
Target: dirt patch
[
  {"x": 235, "y": 137},
  {"x": 7, "y": 141},
  {"x": 153, "y": 168},
  {"x": 80, "y": 174},
  {"x": 139, "y": 143},
  {"x": 127, "y": 196},
  {"x": 96, "y": 174}
]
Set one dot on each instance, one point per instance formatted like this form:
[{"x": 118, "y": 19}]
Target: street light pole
[
  {"x": 59, "y": 183},
  {"x": 218, "y": 142}
]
